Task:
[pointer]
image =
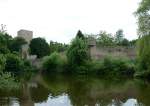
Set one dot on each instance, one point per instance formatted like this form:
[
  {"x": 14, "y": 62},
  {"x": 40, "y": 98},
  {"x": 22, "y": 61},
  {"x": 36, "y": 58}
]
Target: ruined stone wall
[{"x": 102, "y": 52}]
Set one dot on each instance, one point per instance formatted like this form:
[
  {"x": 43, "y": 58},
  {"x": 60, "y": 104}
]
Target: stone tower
[
  {"x": 27, "y": 35},
  {"x": 92, "y": 47}
]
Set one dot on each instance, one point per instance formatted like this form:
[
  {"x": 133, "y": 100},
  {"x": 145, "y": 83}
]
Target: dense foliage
[
  {"x": 2, "y": 62},
  {"x": 117, "y": 67},
  {"x": 7, "y": 81},
  {"x": 80, "y": 35},
  {"x": 107, "y": 39},
  {"x": 77, "y": 53},
  {"x": 12, "y": 67},
  {"x": 14, "y": 64},
  {"x": 39, "y": 47},
  {"x": 54, "y": 63},
  {"x": 16, "y": 44},
  {"x": 143, "y": 14},
  {"x": 57, "y": 47},
  {"x": 5, "y": 39}
]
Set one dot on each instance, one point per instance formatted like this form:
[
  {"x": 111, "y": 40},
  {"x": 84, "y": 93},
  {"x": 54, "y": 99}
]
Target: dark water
[{"x": 78, "y": 91}]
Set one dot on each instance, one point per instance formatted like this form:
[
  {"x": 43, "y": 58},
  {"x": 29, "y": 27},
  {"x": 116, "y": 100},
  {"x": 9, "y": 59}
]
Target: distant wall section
[{"x": 117, "y": 51}]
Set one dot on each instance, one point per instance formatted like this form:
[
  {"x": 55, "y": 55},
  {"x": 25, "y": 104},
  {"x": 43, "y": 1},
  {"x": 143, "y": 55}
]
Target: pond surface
[{"x": 77, "y": 91}]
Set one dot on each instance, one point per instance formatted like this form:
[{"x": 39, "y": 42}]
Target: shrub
[
  {"x": 2, "y": 62},
  {"x": 144, "y": 53},
  {"x": 4, "y": 50},
  {"x": 142, "y": 74},
  {"x": 77, "y": 53},
  {"x": 116, "y": 67},
  {"x": 16, "y": 44},
  {"x": 7, "y": 81},
  {"x": 54, "y": 63},
  {"x": 14, "y": 64}
]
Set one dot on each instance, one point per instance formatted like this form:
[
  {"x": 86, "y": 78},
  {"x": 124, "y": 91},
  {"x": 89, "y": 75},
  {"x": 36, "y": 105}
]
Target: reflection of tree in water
[
  {"x": 39, "y": 94},
  {"x": 5, "y": 95},
  {"x": 81, "y": 91},
  {"x": 144, "y": 93}
]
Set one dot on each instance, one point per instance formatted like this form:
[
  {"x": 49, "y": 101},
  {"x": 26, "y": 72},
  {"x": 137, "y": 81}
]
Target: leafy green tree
[
  {"x": 105, "y": 39},
  {"x": 54, "y": 63},
  {"x": 2, "y": 62},
  {"x": 133, "y": 42},
  {"x": 14, "y": 64},
  {"x": 4, "y": 50},
  {"x": 80, "y": 35},
  {"x": 16, "y": 44},
  {"x": 39, "y": 47},
  {"x": 119, "y": 37},
  {"x": 125, "y": 42},
  {"x": 57, "y": 47},
  {"x": 143, "y": 14},
  {"x": 5, "y": 39},
  {"x": 144, "y": 53},
  {"x": 77, "y": 53}
]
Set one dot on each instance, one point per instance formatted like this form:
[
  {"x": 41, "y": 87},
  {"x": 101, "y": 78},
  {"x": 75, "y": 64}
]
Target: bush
[
  {"x": 77, "y": 54},
  {"x": 2, "y": 62},
  {"x": 7, "y": 81},
  {"x": 4, "y": 50},
  {"x": 116, "y": 67},
  {"x": 142, "y": 74},
  {"x": 144, "y": 53},
  {"x": 54, "y": 63},
  {"x": 16, "y": 44},
  {"x": 14, "y": 64}
]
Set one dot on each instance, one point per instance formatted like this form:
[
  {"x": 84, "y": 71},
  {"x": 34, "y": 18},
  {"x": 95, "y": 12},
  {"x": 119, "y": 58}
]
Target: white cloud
[{"x": 59, "y": 20}]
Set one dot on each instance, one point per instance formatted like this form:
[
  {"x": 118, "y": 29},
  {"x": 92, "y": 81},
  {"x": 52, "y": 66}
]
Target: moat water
[{"x": 78, "y": 91}]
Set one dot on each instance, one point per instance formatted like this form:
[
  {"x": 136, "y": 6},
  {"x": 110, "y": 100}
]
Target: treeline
[
  {"x": 77, "y": 61},
  {"x": 108, "y": 39},
  {"x": 143, "y": 15}
]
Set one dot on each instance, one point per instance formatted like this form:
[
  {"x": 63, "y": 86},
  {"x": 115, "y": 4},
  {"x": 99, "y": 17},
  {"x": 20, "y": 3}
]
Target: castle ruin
[{"x": 27, "y": 36}]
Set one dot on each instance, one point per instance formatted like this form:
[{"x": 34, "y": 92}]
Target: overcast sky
[{"x": 59, "y": 20}]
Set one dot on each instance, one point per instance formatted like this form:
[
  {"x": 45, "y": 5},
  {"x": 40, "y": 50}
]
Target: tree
[
  {"x": 119, "y": 36},
  {"x": 5, "y": 39},
  {"x": 77, "y": 52},
  {"x": 16, "y": 44},
  {"x": 3, "y": 29},
  {"x": 125, "y": 42},
  {"x": 39, "y": 47},
  {"x": 133, "y": 42},
  {"x": 80, "y": 35},
  {"x": 105, "y": 39},
  {"x": 2, "y": 62},
  {"x": 143, "y": 14},
  {"x": 4, "y": 50},
  {"x": 57, "y": 47},
  {"x": 14, "y": 64}
]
